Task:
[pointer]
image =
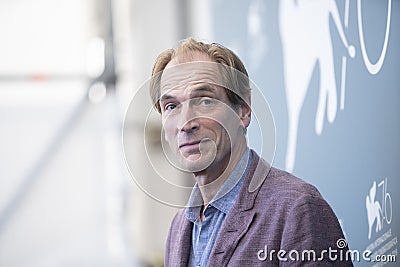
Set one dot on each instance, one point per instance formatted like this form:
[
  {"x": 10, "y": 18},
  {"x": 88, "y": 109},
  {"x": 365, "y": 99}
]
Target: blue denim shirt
[{"x": 204, "y": 233}]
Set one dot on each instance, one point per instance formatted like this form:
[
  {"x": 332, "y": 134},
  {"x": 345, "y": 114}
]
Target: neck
[{"x": 211, "y": 179}]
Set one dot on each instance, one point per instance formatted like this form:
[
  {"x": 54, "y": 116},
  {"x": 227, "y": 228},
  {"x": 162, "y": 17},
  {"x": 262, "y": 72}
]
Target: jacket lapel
[
  {"x": 234, "y": 228},
  {"x": 238, "y": 220}
]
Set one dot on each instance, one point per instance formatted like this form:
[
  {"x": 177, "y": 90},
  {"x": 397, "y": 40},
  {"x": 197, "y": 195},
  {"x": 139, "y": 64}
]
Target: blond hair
[{"x": 237, "y": 80}]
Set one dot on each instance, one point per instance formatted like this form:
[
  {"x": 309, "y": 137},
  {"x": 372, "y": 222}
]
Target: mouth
[
  {"x": 193, "y": 146},
  {"x": 189, "y": 145}
]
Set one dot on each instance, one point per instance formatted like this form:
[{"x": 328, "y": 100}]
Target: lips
[{"x": 189, "y": 144}]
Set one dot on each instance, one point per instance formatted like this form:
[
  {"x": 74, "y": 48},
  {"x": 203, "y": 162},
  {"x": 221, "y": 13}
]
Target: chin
[{"x": 196, "y": 162}]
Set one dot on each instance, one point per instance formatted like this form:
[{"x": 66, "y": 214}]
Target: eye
[
  {"x": 205, "y": 101},
  {"x": 170, "y": 106}
]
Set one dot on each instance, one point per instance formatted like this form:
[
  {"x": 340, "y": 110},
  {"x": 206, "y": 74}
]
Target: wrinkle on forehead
[
  {"x": 189, "y": 90},
  {"x": 193, "y": 72},
  {"x": 189, "y": 56}
]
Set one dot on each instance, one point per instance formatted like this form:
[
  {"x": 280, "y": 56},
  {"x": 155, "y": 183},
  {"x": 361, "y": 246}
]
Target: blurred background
[{"x": 69, "y": 69}]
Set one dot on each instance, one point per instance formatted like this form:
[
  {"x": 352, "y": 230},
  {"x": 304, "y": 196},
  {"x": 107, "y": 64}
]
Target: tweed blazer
[{"x": 281, "y": 212}]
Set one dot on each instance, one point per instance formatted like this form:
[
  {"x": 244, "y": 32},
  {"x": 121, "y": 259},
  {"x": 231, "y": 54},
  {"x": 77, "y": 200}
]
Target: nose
[{"x": 188, "y": 122}]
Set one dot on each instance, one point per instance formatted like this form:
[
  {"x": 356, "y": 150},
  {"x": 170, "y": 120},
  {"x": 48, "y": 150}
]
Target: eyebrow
[
  {"x": 166, "y": 97},
  {"x": 204, "y": 88}
]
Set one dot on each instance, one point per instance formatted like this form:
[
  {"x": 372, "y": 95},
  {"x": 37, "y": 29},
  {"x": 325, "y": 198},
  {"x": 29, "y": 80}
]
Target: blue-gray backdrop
[{"x": 331, "y": 73}]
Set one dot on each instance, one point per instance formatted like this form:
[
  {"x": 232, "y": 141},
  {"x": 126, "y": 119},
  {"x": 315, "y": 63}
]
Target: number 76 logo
[{"x": 378, "y": 211}]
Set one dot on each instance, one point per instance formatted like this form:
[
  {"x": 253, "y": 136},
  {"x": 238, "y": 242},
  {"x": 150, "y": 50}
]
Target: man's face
[{"x": 199, "y": 122}]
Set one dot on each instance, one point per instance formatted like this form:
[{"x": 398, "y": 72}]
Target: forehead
[{"x": 199, "y": 70}]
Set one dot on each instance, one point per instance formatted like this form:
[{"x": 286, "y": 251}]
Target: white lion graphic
[{"x": 374, "y": 211}]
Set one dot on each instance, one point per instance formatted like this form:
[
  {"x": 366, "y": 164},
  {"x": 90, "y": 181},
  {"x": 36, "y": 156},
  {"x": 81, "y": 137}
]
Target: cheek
[
  {"x": 221, "y": 135},
  {"x": 229, "y": 135}
]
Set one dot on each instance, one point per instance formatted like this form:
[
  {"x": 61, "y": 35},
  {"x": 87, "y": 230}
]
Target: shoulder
[
  {"x": 272, "y": 182},
  {"x": 178, "y": 221},
  {"x": 287, "y": 198},
  {"x": 285, "y": 186},
  {"x": 179, "y": 227},
  {"x": 284, "y": 196}
]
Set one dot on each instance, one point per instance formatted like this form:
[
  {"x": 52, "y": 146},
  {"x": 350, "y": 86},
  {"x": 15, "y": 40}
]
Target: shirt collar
[{"x": 226, "y": 195}]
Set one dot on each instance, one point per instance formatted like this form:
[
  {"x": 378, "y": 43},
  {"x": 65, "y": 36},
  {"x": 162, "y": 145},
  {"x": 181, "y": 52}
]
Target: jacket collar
[
  {"x": 238, "y": 221},
  {"x": 256, "y": 175}
]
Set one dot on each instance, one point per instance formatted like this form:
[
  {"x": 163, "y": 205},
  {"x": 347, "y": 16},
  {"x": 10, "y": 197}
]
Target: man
[{"x": 241, "y": 212}]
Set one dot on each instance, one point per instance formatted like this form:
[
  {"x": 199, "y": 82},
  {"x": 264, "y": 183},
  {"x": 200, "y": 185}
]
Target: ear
[{"x": 244, "y": 113}]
